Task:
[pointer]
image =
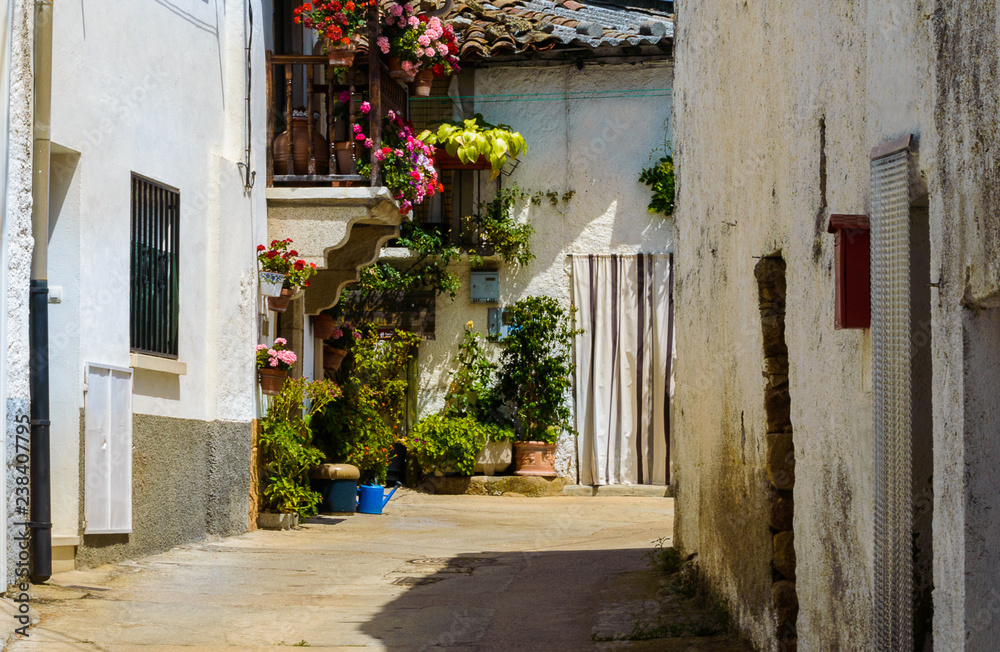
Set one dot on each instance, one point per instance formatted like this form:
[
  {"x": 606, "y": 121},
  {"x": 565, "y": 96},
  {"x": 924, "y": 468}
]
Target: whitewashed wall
[
  {"x": 157, "y": 89},
  {"x": 595, "y": 147}
]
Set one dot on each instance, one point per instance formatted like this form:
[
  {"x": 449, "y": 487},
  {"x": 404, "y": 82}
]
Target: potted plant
[
  {"x": 273, "y": 364},
  {"x": 286, "y": 452},
  {"x": 339, "y": 25},
  {"x": 340, "y": 341},
  {"x": 475, "y": 139},
  {"x": 401, "y": 28},
  {"x": 406, "y": 162},
  {"x": 280, "y": 259},
  {"x": 536, "y": 368}
]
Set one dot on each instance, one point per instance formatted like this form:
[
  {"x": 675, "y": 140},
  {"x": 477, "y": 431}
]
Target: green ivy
[
  {"x": 536, "y": 368},
  {"x": 661, "y": 178}
]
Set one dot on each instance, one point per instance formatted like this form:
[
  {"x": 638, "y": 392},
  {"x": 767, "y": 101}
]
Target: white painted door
[{"x": 108, "y": 450}]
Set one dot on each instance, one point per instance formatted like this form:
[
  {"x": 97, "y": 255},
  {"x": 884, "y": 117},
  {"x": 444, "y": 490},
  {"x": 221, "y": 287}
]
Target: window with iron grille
[{"x": 153, "y": 308}]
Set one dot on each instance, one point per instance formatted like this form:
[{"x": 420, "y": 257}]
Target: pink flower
[
  {"x": 344, "y": 96},
  {"x": 274, "y": 362},
  {"x": 366, "y": 107},
  {"x": 337, "y": 334},
  {"x": 414, "y": 21},
  {"x": 357, "y": 335},
  {"x": 360, "y": 136},
  {"x": 407, "y": 67},
  {"x": 272, "y": 352},
  {"x": 379, "y": 155},
  {"x": 282, "y": 341},
  {"x": 396, "y": 10},
  {"x": 424, "y": 40},
  {"x": 369, "y": 143},
  {"x": 261, "y": 347},
  {"x": 357, "y": 128},
  {"x": 443, "y": 49},
  {"x": 383, "y": 42}
]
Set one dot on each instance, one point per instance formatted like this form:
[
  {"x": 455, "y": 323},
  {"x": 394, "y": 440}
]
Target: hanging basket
[
  {"x": 332, "y": 358},
  {"x": 270, "y": 283},
  {"x": 340, "y": 55},
  {"x": 280, "y": 303},
  {"x": 422, "y": 83},
  {"x": 272, "y": 380}
]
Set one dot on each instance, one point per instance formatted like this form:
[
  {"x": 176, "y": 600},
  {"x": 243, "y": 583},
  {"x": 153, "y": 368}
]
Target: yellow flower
[{"x": 468, "y": 324}]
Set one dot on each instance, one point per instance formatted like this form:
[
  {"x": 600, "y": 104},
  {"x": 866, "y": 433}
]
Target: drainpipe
[{"x": 41, "y": 491}]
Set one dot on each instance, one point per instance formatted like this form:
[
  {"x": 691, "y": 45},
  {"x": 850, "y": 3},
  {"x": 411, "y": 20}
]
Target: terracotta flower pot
[
  {"x": 323, "y": 326},
  {"x": 340, "y": 55},
  {"x": 300, "y": 145},
  {"x": 422, "y": 83},
  {"x": 535, "y": 458},
  {"x": 280, "y": 304},
  {"x": 332, "y": 358},
  {"x": 396, "y": 70},
  {"x": 345, "y": 157},
  {"x": 271, "y": 380}
]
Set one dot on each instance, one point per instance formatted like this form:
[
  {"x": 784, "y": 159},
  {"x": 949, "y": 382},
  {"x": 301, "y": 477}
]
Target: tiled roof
[{"x": 508, "y": 27}]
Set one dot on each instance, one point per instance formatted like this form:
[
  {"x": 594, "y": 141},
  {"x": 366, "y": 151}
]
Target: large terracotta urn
[
  {"x": 300, "y": 145},
  {"x": 535, "y": 458}
]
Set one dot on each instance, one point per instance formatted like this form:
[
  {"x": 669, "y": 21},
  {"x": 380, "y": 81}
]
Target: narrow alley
[{"x": 434, "y": 572}]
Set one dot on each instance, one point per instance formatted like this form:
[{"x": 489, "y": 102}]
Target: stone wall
[{"x": 189, "y": 479}]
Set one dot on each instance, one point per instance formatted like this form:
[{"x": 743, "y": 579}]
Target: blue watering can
[{"x": 371, "y": 498}]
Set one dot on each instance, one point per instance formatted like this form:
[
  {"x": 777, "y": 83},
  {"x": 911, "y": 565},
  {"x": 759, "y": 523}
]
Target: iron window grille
[{"x": 153, "y": 306}]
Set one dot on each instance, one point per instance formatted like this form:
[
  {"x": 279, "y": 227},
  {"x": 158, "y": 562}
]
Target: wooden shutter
[{"x": 108, "y": 450}]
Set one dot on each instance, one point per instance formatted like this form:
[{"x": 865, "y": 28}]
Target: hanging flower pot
[
  {"x": 323, "y": 326},
  {"x": 270, "y": 283},
  {"x": 272, "y": 380},
  {"x": 332, "y": 358},
  {"x": 396, "y": 70},
  {"x": 280, "y": 303},
  {"x": 345, "y": 157},
  {"x": 341, "y": 55},
  {"x": 422, "y": 83}
]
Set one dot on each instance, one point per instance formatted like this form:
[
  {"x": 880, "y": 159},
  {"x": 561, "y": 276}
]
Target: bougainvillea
[{"x": 335, "y": 20}]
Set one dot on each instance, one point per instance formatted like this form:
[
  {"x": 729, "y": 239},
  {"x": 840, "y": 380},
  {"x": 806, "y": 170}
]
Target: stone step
[{"x": 647, "y": 490}]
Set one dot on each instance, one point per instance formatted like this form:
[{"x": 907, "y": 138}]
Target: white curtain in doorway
[{"x": 623, "y": 361}]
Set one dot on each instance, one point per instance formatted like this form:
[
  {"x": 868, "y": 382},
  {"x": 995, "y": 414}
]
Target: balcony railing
[{"x": 307, "y": 112}]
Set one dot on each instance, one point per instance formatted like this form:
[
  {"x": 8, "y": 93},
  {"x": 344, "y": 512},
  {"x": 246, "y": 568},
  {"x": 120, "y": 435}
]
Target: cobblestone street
[{"x": 454, "y": 572}]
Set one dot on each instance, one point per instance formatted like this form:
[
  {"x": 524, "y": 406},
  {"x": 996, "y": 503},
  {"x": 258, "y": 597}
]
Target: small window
[{"x": 153, "y": 307}]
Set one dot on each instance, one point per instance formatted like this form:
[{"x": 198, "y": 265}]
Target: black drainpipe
[{"x": 38, "y": 306}]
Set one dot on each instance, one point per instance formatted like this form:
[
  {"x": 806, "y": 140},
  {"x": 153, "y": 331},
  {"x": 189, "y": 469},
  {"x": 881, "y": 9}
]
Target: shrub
[
  {"x": 451, "y": 443},
  {"x": 536, "y": 367},
  {"x": 285, "y": 445}
]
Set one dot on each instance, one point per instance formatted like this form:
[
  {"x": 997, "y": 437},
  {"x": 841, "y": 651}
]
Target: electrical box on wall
[
  {"x": 852, "y": 270},
  {"x": 497, "y": 324},
  {"x": 484, "y": 286}
]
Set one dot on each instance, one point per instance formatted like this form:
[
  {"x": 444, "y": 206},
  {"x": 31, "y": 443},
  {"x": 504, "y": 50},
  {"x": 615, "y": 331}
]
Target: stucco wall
[
  {"x": 587, "y": 144},
  {"x": 164, "y": 99},
  {"x": 190, "y": 480},
  {"x": 777, "y": 105}
]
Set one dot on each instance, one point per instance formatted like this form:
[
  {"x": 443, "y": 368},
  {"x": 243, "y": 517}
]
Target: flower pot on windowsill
[
  {"x": 271, "y": 380},
  {"x": 333, "y": 357},
  {"x": 323, "y": 326},
  {"x": 535, "y": 458},
  {"x": 270, "y": 283},
  {"x": 422, "y": 83},
  {"x": 280, "y": 303}
]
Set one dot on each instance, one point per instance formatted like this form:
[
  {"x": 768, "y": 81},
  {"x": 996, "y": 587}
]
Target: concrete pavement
[{"x": 458, "y": 572}]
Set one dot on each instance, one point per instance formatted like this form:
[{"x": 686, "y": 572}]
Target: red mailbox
[{"x": 852, "y": 269}]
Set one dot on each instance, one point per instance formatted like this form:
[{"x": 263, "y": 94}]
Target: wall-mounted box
[
  {"x": 852, "y": 270},
  {"x": 484, "y": 286}
]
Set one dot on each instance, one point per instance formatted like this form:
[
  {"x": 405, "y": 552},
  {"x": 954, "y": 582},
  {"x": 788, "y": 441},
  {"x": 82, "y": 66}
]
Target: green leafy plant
[
  {"x": 285, "y": 445},
  {"x": 361, "y": 426},
  {"x": 451, "y": 443},
  {"x": 499, "y": 228},
  {"x": 472, "y": 384},
  {"x": 536, "y": 367},
  {"x": 661, "y": 179},
  {"x": 474, "y": 138}
]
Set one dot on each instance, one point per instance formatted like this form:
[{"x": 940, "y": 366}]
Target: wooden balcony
[{"x": 304, "y": 91}]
